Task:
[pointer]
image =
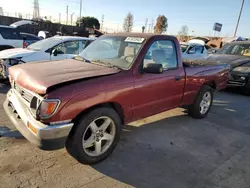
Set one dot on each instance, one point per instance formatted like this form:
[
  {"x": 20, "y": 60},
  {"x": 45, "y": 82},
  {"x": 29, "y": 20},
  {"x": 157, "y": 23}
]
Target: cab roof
[{"x": 142, "y": 35}]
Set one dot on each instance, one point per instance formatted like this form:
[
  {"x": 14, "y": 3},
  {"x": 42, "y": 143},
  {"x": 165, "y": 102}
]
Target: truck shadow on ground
[
  {"x": 4, "y": 87},
  {"x": 9, "y": 133},
  {"x": 178, "y": 151}
]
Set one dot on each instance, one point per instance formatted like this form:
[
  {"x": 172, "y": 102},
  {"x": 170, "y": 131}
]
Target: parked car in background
[
  {"x": 237, "y": 56},
  {"x": 54, "y": 48},
  {"x": 29, "y": 38},
  {"x": 192, "y": 51},
  {"x": 10, "y": 36},
  {"x": 83, "y": 102}
]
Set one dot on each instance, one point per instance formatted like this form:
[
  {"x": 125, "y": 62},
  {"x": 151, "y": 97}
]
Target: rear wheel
[
  {"x": 202, "y": 104},
  {"x": 95, "y": 137}
]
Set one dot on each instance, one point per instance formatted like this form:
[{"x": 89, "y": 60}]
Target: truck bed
[{"x": 199, "y": 73}]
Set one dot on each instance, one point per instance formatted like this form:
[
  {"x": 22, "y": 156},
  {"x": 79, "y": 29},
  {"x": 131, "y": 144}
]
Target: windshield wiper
[
  {"x": 106, "y": 64},
  {"x": 80, "y": 58}
]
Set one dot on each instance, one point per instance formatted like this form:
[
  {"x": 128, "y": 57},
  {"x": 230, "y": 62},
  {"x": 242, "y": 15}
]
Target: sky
[{"x": 198, "y": 15}]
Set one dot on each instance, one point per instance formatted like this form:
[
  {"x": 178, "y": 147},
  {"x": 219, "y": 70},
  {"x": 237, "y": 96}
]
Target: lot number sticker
[{"x": 134, "y": 39}]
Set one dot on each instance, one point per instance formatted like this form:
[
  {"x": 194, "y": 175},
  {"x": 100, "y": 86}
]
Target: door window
[
  {"x": 70, "y": 47},
  {"x": 196, "y": 49},
  {"x": 199, "y": 49},
  {"x": 162, "y": 52},
  {"x": 10, "y": 33}
]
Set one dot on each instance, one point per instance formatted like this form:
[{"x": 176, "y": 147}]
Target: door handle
[{"x": 177, "y": 78}]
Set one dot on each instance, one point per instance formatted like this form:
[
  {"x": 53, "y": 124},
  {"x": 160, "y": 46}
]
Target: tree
[
  {"x": 90, "y": 22},
  {"x": 128, "y": 22},
  {"x": 183, "y": 33},
  {"x": 161, "y": 24}
]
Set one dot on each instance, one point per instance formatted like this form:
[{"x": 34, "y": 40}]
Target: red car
[{"x": 83, "y": 102}]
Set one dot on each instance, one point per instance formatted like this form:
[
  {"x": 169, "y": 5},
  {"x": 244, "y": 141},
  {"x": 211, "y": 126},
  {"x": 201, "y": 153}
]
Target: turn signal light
[
  {"x": 33, "y": 129},
  {"x": 48, "y": 107}
]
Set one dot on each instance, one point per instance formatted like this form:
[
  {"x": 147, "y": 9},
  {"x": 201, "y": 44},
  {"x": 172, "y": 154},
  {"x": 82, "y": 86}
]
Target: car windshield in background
[
  {"x": 117, "y": 51},
  {"x": 235, "y": 49},
  {"x": 184, "y": 47},
  {"x": 44, "y": 44}
]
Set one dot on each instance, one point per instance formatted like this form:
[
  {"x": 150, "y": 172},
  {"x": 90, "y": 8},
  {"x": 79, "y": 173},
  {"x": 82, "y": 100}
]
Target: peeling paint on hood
[{"x": 38, "y": 77}]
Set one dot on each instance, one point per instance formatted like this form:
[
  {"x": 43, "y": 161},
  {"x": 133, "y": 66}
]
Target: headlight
[
  {"x": 47, "y": 108},
  {"x": 242, "y": 69}
]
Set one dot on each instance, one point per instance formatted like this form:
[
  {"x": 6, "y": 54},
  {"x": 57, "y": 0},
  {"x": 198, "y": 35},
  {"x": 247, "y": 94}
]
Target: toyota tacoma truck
[{"x": 82, "y": 103}]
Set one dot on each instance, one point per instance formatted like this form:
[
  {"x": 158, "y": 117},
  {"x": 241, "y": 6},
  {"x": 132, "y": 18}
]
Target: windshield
[
  {"x": 235, "y": 49},
  {"x": 117, "y": 51},
  {"x": 184, "y": 47},
  {"x": 44, "y": 44}
]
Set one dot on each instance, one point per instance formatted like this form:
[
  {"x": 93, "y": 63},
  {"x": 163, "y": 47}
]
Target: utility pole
[
  {"x": 152, "y": 25},
  {"x": 80, "y": 19},
  {"x": 59, "y": 17},
  {"x": 102, "y": 22},
  {"x": 67, "y": 13},
  {"x": 72, "y": 18},
  {"x": 149, "y": 28},
  {"x": 146, "y": 23},
  {"x": 239, "y": 18}
]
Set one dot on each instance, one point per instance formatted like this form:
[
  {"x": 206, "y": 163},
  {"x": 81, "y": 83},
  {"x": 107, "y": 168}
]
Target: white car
[
  {"x": 192, "y": 51},
  {"x": 195, "y": 48},
  {"x": 10, "y": 36},
  {"x": 54, "y": 48}
]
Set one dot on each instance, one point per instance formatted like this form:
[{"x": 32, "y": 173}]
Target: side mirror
[
  {"x": 191, "y": 51},
  {"x": 153, "y": 68},
  {"x": 54, "y": 52}
]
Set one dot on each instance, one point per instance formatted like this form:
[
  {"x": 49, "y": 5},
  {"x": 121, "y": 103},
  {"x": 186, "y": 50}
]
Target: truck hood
[
  {"x": 15, "y": 53},
  {"x": 40, "y": 76}
]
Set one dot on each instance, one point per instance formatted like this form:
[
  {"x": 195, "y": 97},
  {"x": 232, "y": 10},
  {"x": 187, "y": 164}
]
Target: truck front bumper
[{"x": 46, "y": 137}]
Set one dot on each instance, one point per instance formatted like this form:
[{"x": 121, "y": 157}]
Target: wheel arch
[
  {"x": 114, "y": 105},
  {"x": 211, "y": 83}
]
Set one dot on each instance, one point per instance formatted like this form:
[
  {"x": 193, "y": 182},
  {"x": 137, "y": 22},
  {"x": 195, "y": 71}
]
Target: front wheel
[
  {"x": 95, "y": 137},
  {"x": 202, "y": 103}
]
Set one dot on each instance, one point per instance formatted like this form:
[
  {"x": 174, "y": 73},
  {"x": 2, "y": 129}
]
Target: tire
[
  {"x": 194, "y": 110},
  {"x": 246, "y": 90},
  {"x": 83, "y": 130}
]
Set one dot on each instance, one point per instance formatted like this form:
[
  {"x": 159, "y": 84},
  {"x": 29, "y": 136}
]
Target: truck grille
[{"x": 24, "y": 94}]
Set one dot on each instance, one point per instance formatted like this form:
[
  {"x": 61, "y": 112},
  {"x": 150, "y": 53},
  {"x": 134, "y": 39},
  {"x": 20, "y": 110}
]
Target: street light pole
[{"x": 239, "y": 18}]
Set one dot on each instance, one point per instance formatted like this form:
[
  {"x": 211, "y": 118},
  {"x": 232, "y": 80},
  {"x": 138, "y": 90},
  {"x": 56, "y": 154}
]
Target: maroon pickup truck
[{"x": 82, "y": 103}]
